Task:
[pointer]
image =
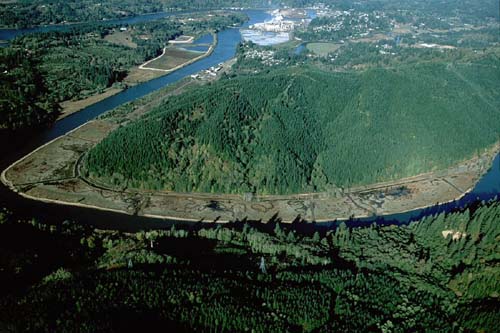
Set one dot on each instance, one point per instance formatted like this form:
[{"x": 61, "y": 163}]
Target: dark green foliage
[
  {"x": 398, "y": 279},
  {"x": 30, "y": 250},
  {"x": 23, "y": 94},
  {"x": 80, "y": 62},
  {"x": 302, "y": 129},
  {"x": 34, "y": 12},
  {"x": 40, "y": 70},
  {"x": 26, "y": 13}
]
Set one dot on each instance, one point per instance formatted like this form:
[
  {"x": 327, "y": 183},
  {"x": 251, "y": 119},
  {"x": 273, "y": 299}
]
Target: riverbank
[
  {"x": 136, "y": 75},
  {"x": 43, "y": 185},
  {"x": 52, "y": 174},
  {"x": 146, "y": 66},
  {"x": 70, "y": 107},
  {"x": 120, "y": 19}
]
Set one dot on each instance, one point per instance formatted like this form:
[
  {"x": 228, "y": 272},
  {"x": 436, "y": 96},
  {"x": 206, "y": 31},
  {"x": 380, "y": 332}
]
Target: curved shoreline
[
  {"x": 221, "y": 221},
  {"x": 333, "y": 219},
  {"x": 3, "y": 176},
  {"x": 23, "y": 188},
  {"x": 189, "y": 62},
  {"x": 189, "y": 197},
  {"x": 113, "y": 91}
]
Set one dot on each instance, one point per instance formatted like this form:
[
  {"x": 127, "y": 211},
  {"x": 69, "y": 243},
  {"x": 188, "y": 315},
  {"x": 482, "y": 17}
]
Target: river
[
  {"x": 487, "y": 188},
  {"x": 9, "y": 34}
]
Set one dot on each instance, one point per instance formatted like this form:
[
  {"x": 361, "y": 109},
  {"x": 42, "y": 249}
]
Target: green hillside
[{"x": 302, "y": 129}]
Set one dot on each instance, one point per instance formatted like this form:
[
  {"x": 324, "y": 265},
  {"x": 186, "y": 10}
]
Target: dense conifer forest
[
  {"x": 438, "y": 274},
  {"x": 380, "y": 103},
  {"x": 301, "y": 129},
  {"x": 24, "y": 98}
]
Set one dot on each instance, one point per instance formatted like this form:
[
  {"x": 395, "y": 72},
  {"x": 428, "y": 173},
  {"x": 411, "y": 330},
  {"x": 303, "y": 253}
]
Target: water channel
[{"x": 487, "y": 188}]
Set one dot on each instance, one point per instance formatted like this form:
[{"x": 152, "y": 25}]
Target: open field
[
  {"x": 323, "y": 49},
  {"x": 372, "y": 39},
  {"x": 70, "y": 107},
  {"x": 51, "y": 173},
  {"x": 182, "y": 40},
  {"x": 121, "y": 38},
  {"x": 137, "y": 75},
  {"x": 172, "y": 58}
]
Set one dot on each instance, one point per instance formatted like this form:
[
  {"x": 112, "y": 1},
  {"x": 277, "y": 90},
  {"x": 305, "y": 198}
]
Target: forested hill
[
  {"x": 302, "y": 129},
  {"x": 26, "y": 13}
]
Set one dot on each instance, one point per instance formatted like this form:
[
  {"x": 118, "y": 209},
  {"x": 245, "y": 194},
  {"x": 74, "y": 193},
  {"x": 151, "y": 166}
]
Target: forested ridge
[
  {"x": 438, "y": 274},
  {"x": 301, "y": 129}
]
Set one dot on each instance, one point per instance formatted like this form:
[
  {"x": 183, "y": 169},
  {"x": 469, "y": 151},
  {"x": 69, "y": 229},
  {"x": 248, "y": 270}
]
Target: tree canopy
[{"x": 302, "y": 129}]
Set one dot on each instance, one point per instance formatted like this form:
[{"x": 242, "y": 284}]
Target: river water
[
  {"x": 8, "y": 34},
  {"x": 487, "y": 188}
]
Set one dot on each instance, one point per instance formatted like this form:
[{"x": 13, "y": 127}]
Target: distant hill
[
  {"x": 301, "y": 129},
  {"x": 29, "y": 13}
]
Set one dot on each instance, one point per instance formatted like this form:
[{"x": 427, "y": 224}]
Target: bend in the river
[{"x": 487, "y": 188}]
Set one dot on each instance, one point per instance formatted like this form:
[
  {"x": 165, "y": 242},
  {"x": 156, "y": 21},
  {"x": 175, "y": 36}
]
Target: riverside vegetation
[
  {"x": 300, "y": 129},
  {"x": 440, "y": 273},
  {"x": 377, "y": 106},
  {"x": 350, "y": 115},
  {"x": 35, "y": 12},
  {"x": 28, "y": 13},
  {"x": 38, "y": 71}
]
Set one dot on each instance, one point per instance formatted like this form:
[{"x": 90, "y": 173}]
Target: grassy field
[
  {"x": 137, "y": 75},
  {"x": 121, "y": 38},
  {"x": 70, "y": 107},
  {"x": 322, "y": 49},
  {"x": 172, "y": 58}
]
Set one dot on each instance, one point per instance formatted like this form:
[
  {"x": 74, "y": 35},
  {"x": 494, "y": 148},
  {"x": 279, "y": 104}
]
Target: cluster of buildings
[
  {"x": 266, "y": 57},
  {"x": 208, "y": 73},
  {"x": 358, "y": 23},
  {"x": 277, "y": 24},
  {"x": 385, "y": 49}
]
